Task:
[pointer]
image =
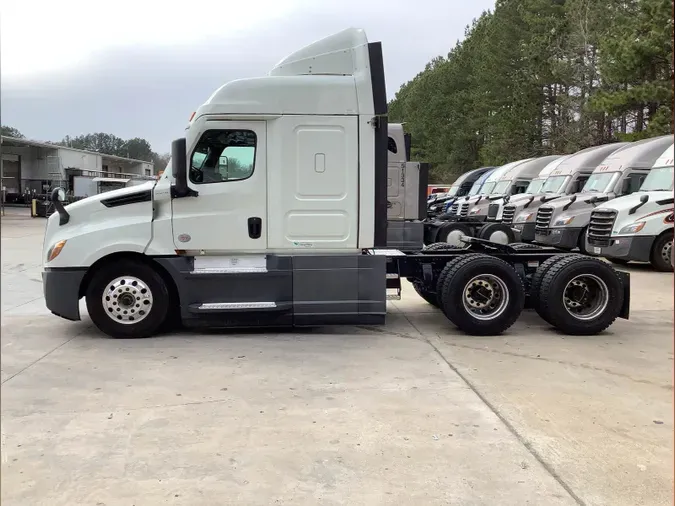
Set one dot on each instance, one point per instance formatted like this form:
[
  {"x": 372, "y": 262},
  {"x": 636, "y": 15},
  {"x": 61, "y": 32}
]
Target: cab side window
[
  {"x": 223, "y": 155},
  {"x": 633, "y": 182},
  {"x": 579, "y": 183},
  {"x": 520, "y": 186}
]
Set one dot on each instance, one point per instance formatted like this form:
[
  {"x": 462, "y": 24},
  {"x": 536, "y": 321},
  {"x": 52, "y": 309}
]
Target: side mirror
[
  {"x": 644, "y": 198},
  {"x": 179, "y": 169},
  {"x": 58, "y": 195}
]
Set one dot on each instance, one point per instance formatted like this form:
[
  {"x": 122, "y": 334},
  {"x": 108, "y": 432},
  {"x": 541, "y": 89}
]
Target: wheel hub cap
[
  {"x": 667, "y": 251},
  {"x": 586, "y": 296},
  {"x": 127, "y": 300},
  {"x": 485, "y": 297}
]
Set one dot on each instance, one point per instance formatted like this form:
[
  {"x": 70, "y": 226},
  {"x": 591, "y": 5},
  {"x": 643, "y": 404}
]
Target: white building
[{"x": 37, "y": 167}]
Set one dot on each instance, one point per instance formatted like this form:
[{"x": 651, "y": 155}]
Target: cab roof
[
  {"x": 527, "y": 169},
  {"x": 666, "y": 159},
  {"x": 637, "y": 155}
]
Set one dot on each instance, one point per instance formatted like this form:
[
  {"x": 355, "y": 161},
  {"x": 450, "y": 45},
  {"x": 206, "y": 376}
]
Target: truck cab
[
  {"x": 488, "y": 188},
  {"x": 513, "y": 182},
  {"x": 564, "y": 176},
  {"x": 638, "y": 227},
  {"x": 406, "y": 192},
  {"x": 460, "y": 188},
  {"x": 452, "y": 209},
  {"x": 564, "y": 221}
]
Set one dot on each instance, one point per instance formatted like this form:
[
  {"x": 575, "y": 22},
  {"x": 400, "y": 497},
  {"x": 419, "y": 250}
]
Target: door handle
[{"x": 254, "y": 227}]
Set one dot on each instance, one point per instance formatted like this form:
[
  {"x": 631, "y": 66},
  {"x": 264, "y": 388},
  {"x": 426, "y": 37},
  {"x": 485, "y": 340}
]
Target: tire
[
  {"x": 441, "y": 246},
  {"x": 574, "y": 279},
  {"x": 582, "y": 241},
  {"x": 497, "y": 232},
  {"x": 450, "y": 233},
  {"x": 538, "y": 277},
  {"x": 661, "y": 257},
  {"x": 482, "y": 276},
  {"x": 444, "y": 274},
  {"x": 122, "y": 275},
  {"x": 428, "y": 296},
  {"x": 525, "y": 246}
]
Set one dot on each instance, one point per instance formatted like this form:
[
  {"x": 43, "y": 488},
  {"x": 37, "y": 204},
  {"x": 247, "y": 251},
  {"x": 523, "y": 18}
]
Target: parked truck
[
  {"x": 472, "y": 214},
  {"x": 406, "y": 192},
  {"x": 565, "y": 176},
  {"x": 460, "y": 188},
  {"x": 273, "y": 212},
  {"x": 563, "y": 222},
  {"x": 638, "y": 227}
]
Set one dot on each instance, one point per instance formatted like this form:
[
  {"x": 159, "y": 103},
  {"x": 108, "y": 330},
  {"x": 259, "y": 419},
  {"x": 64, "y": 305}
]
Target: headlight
[
  {"x": 633, "y": 228},
  {"x": 563, "y": 220},
  {"x": 524, "y": 217},
  {"x": 55, "y": 250}
]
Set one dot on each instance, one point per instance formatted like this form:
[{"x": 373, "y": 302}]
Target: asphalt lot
[{"x": 410, "y": 413}]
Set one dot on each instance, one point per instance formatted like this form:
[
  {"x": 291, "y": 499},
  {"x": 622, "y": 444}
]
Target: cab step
[{"x": 238, "y": 307}]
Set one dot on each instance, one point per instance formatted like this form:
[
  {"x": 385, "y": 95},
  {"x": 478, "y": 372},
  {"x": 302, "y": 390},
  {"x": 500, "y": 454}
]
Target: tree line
[
  {"x": 108, "y": 144},
  {"x": 539, "y": 77}
]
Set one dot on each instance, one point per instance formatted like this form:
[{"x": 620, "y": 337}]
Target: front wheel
[
  {"x": 127, "y": 299},
  {"x": 662, "y": 253}
]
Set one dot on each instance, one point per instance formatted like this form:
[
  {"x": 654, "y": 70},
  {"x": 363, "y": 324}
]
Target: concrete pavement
[{"x": 410, "y": 413}]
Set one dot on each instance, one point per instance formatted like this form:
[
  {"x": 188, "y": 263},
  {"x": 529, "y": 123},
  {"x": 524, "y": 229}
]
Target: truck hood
[
  {"x": 94, "y": 200},
  {"x": 580, "y": 201}
]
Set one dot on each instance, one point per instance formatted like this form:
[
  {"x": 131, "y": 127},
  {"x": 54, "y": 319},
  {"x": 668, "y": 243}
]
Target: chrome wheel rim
[
  {"x": 485, "y": 297},
  {"x": 586, "y": 297},
  {"x": 667, "y": 251},
  {"x": 127, "y": 300}
]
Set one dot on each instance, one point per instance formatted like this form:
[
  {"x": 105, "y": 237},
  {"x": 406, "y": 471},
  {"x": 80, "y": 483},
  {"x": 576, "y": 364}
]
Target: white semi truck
[
  {"x": 476, "y": 216},
  {"x": 639, "y": 226},
  {"x": 273, "y": 211},
  {"x": 564, "y": 221},
  {"x": 565, "y": 176}
]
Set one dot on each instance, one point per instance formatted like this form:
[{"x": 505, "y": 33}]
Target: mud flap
[{"x": 625, "y": 281}]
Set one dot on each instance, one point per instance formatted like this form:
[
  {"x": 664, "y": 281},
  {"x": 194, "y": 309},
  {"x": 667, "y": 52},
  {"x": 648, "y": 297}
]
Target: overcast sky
[{"x": 138, "y": 68}]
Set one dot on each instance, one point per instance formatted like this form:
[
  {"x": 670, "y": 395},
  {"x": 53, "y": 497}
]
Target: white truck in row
[
  {"x": 639, "y": 226},
  {"x": 273, "y": 211},
  {"x": 564, "y": 222}
]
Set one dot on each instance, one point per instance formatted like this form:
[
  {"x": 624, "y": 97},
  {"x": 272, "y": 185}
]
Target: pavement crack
[
  {"x": 45, "y": 355},
  {"x": 561, "y": 362},
  {"x": 528, "y": 446}
]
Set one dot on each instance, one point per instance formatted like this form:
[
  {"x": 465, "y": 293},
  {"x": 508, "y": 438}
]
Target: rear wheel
[
  {"x": 538, "y": 277},
  {"x": 128, "y": 299},
  {"x": 581, "y": 295},
  {"x": 661, "y": 258},
  {"x": 481, "y": 295},
  {"x": 428, "y": 296}
]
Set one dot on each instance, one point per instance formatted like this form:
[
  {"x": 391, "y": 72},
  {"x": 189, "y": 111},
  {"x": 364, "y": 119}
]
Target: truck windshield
[
  {"x": 659, "y": 179},
  {"x": 485, "y": 189},
  {"x": 500, "y": 188},
  {"x": 553, "y": 184},
  {"x": 599, "y": 182},
  {"x": 534, "y": 186},
  {"x": 453, "y": 191}
]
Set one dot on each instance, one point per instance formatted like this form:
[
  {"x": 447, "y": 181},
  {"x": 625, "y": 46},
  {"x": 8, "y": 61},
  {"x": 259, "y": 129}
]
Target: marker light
[{"x": 55, "y": 250}]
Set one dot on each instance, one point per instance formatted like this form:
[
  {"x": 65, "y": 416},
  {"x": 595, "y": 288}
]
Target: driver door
[{"x": 227, "y": 168}]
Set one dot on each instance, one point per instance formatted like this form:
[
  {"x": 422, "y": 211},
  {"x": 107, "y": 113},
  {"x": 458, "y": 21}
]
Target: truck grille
[
  {"x": 600, "y": 226},
  {"x": 493, "y": 211},
  {"x": 544, "y": 215},
  {"x": 464, "y": 210},
  {"x": 453, "y": 208},
  {"x": 508, "y": 214}
]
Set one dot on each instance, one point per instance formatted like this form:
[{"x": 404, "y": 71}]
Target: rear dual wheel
[
  {"x": 480, "y": 294},
  {"x": 577, "y": 294}
]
